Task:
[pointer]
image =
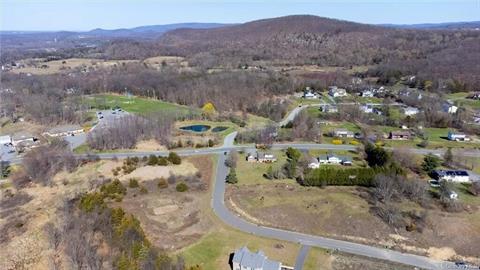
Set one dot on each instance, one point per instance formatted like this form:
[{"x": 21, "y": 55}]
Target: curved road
[{"x": 218, "y": 205}]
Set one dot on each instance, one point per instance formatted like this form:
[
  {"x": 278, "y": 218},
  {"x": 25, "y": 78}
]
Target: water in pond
[
  {"x": 219, "y": 129},
  {"x": 196, "y": 128}
]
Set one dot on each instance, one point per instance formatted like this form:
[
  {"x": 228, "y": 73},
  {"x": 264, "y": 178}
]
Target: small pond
[
  {"x": 219, "y": 129},
  {"x": 196, "y": 128}
]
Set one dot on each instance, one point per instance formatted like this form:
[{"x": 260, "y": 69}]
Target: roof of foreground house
[{"x": 258, "y": 260}]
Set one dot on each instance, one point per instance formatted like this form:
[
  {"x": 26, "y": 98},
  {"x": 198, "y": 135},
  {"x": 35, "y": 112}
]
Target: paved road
[
  {"x": 218, "y": 205},
  {"x": 291, "y": 115},
  {"x": 302, "y": 254}
]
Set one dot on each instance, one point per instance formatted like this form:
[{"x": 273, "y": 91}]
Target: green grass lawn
[
  {"x": 317, "y": 258},
  {"x": 464, "y": 195},
  {"x": 138, "y": 104},
  {"x": 460, "y": 99},
  {"x": 251, "y": 173},
  {"x": 213, "y": 250}
]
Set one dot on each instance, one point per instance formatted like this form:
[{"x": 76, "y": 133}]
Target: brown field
[
  {"x": 34, "y": 66},
  {"x": 344, "y": 213}
]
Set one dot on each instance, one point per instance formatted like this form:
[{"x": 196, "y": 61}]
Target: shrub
[
  {"x": 133, "y": 183},
  {"x": 114, "y": 190},
  {"x": 423, "y": 144},
  {"x": 344, "y": 177},
  {"x": 143, "y": 190},
  {"x": 232, "y": 177},
  {"x": 354, "y": 142},
  {"x": 430, "y": 163},
  {"x": 162, "y": 161},
  {"x": 174, "y": 158},
  {"x": 337, "y": 141},
  {"x": 91, "y": 201},
  {"x": 162, "y": 183},
  {"x": 181, "y": 187},
  {"x": 211, "y": 143},
  {"x": 152, "y": 160}
]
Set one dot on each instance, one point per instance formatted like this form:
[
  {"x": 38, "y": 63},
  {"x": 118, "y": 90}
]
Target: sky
[{"x": 83, "y": 15}]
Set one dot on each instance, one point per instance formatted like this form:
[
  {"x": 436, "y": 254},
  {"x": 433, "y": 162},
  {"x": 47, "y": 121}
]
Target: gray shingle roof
[{"x": 258, "y": 260}]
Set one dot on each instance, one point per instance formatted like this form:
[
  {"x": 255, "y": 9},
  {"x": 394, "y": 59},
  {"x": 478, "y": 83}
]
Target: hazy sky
[{"x": 110, "y": 14}]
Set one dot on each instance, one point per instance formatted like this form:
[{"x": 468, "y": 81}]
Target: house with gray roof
[{"x": 244, "y": 259}]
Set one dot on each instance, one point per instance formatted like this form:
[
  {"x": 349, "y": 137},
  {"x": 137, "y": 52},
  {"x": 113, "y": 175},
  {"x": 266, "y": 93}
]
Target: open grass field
[
  {"x": 251, "y": 173},
  {"x": 460, "y": 99},
  {"x": 34, "y": 66},
  {"x": 138, "y": 104}
]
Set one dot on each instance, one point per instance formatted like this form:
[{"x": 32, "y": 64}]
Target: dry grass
[{"x": 33, "y": 66}]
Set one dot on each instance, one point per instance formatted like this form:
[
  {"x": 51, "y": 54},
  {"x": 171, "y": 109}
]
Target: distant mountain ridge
[
  {"x": 151, "y": 29},
  {"x": 433, "y": 26},
  {"x": 148, "y": 31}
]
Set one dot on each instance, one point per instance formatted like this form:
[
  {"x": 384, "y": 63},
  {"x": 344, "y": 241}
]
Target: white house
[
  {"x": 331, "y": 158},
  {"x": 334, "y": 91},
  {"x": 449, "y": 108},
  {"x": 329, "y": 108},
  {"x": 409, "y": 111},
  {"x": 244, "y": 259},
  {"x": 6, "y": 139},
  {"x": 343, "y": 133},
  {"x": 261, "y": 157},
  {"x": 366, "y": 93},
  {"x": 459, "y": 137},
  {"x": 65, "y": 130},
  {"x": 309, "y": 94},
  {"x": 451, "y": 175},
  {"x": 366, "y": 108}
]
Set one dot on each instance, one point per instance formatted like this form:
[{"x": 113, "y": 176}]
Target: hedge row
[{"x": 345, "y": 176}]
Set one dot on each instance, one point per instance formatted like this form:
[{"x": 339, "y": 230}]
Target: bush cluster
[{"x": 344, "y": 177}]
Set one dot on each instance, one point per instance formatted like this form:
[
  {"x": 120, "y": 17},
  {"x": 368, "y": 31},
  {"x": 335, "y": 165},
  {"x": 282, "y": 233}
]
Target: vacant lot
[
  {"x": 346, "y": 213},
  {"x": 137, "y": 104}
]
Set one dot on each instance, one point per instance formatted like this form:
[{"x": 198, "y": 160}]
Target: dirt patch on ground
[
  {"x": 152, "y": 172},
  {"x": 171, "y": 219},
  {"x": 343, "y": 213},
  {"x": 149, "y": 145},
  {"x": 444, "y": 253}
]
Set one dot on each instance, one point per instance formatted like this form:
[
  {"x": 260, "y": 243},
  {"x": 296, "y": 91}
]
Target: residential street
[{"x": 311, "y": 240}]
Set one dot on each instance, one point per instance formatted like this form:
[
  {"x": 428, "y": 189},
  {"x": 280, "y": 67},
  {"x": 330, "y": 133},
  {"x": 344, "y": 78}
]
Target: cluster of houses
[
  {"x": 333, "y": 91},
  {"x": 244, "y": 259}
]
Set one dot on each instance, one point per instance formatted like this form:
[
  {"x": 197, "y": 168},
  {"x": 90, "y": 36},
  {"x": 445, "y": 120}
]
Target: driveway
[{"x": 302, "y": 255}]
